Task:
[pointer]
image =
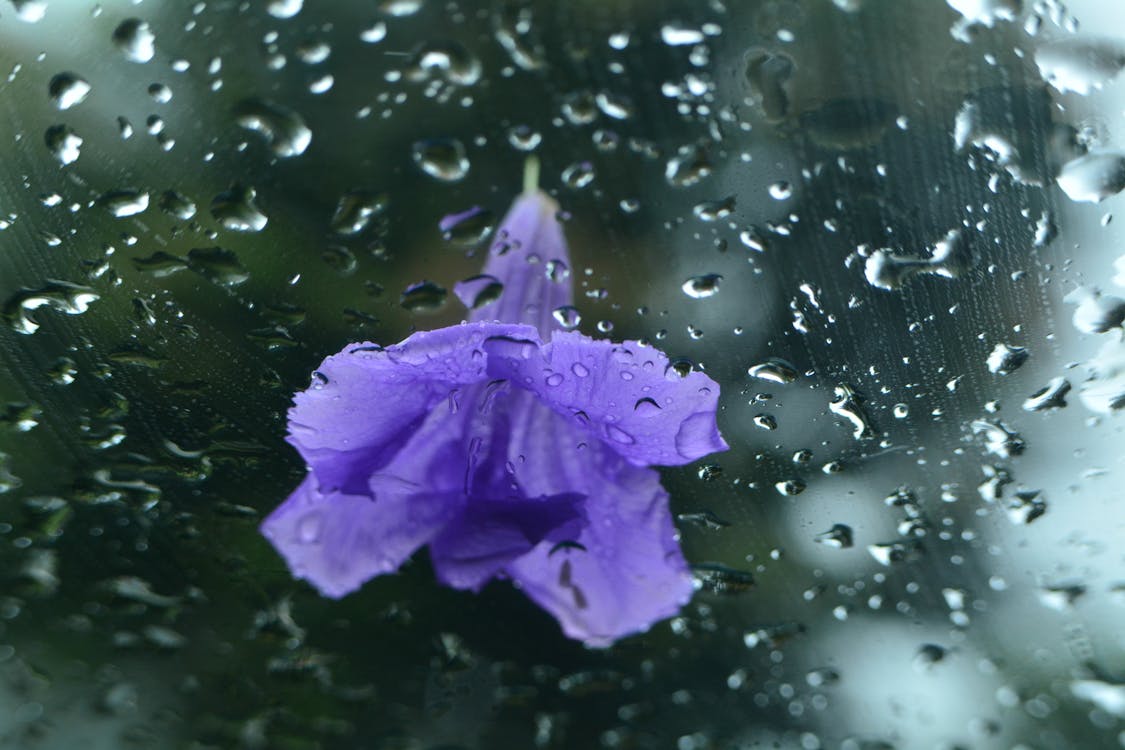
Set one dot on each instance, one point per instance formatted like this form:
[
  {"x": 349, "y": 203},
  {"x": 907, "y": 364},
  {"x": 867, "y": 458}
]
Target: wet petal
[
  {"x": 529, "y": 258},
  {"x": 625, "y": 569},
  {"x": 366, "y": 402},
  {"x": 490, "y": 534},
  {"x": 337, "y": 541},
  {"x": 624, "y": 394}
]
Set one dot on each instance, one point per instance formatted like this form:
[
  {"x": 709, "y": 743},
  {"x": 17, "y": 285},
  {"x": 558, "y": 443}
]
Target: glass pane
[{"x": 883, "y": 228}]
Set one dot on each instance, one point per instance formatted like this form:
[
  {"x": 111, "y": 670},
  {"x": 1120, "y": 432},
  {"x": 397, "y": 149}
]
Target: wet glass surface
[{"x": 884, "y": 227}]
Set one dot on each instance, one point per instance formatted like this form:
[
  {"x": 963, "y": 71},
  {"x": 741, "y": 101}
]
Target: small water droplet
[
  {"x": 284, "y": 130},
  {"x": 235, "y": 210},
  {"x": 423, "y": 296}
]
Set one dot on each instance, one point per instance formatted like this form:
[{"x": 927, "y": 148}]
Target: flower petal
[
  {"x": 625, "y": 570},
  {"x": 626, "y": 395},
  {"x": 529, "y": 258},
  {"x": 365, "y": 402},
  {"x": 490, "y": 534},
  {"x": 337, "y": 542}
]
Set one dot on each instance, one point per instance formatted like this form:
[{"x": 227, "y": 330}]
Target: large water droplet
[
  {"x": 61, "y": 296},
  {"x": 235, "y": 210},
  {"x": 442, "y": 158},
  {"x": 135, "y": 39},
  {"x": 1094, "y": 177},
  {"x": 701, "y": 287},
  {"x": 284, "y": 130},
  {"x": 67, "y": 90},
  {"x": 1080, "y": 64},
  {"x": 63, "y": 143}
]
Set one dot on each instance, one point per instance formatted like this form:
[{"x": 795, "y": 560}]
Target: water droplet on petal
[
  {"x": 442, "y": 158},
  {"x": 617, "y": 435}
]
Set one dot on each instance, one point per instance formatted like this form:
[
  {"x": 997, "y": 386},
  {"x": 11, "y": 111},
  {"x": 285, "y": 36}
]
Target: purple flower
[{"x": 511, "y": 448}]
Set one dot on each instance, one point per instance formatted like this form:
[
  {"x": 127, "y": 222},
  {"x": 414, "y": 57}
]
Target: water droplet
[
  {"x": 423, "y": 296},
  {"x": 579, "y": 370},
  {"x": 701, "y": 287},
  {"x": 849, "y": 405},
  {"x": 713, "y": 578},
  {"x": 356, "y": 209},
  {"x": 714, "y": 210},
  {"x": 554, "y": 379},
  {"x": 449, "y": 61},
  {"x": 123, "y": 203},
  {"x": 400, "y": 8},
  {"x": 478, "y": 291},
  {"x": 690, "y": 165},
  {"x": 839, "y": 536},
  {"x": 1006, "y": 359},
  {"x": 442, "y": 158},
  {"x": 61, "y": 296},
  {"x": 1080, "y": 64},
  {"x": 578, "y": 175},
  {"x": 524, "y": 138},
  {"x": 135, "y": 39},
  {"x": 1050, "y": 396},
  {"x": 781, "y": 191},
  {"x": 999, "y": 439},
  {"x": 1094, "y": 177},
  {"x": 177, "y": 205},
  {"x": 67, "y": 90},
  {"x": 64, "y": 143},
  {"x": 235, "y": 210},
  {"x": 647, "y": 407},
  {"x": 30, "y": 11},
  {"x": 774, "y": 370},
  {"x": 676, "y": 34},
  {"x": 467, "y": 227},
  {"x": 284, "y": 130},
  {"x": 618, "y": 435},
  {"x": 217, "y": 264},
  {"x": 768, "y": 75},
  {"x": 567, "y": 317},
  {"x": 950, "y": 257},
  {"x": 790, "y": 487},
  {"x": 309, "y": 528},
  {"x": 1096, "y": 313},
  {"x": 284, "y": 8}
]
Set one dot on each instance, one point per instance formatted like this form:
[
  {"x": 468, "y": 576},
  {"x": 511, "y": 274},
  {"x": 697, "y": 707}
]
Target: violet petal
[
  {"x": 624, "y": 394},
  {"x": 530, "y": 259},
  {"x": 365, "y": 402}
]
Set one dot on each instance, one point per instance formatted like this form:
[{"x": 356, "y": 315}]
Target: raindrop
[
  {"x": 578, "y": 175},
  {"x": 30, "y": 11},
  {"x": 442, "y": 158},
  {"x": 790, "y": 487},
  {"x": 448, "y": 60},
  {"x": 235, "y": 210},
  {"x": 423, "y": 296},
  {"x": 400, "y": 8},
  {"x": 849, "y": 405},
  {"x": 284, "y": 8},
  {"x": 690, "y": 165},
  {"x": 64, "y": 143},
  {"x": 1080, "y": 64},
  {"x": 714, "y": 578},
  {"x": 1094, "y": 177},
  {"x": 177, "y": 205},
  {"x": 839, "y": 536},
  {"x": 123, "y": 203},
  {"x": 478, "y": 291},
  {"x": 284, "y": 130},
  {"x": 524, "y": 138},
  {"x": 135, "y": 39},
  {"x": 467, "y": 227},
  {"x": 774, "y": 370},
  {"x": 1050, "y": 396},
  {"x": 567, "y": 317},
  {"x": 701, "y": 287},
  {"x": 217, "y": 264},
  {"x": 1096, "y": 313},
  {"x": 61, "y": 296},
  {"x": 355, "y": 211},
  {"x": 675, "y": 35},
  {"x": 781, "y": 191},
  {"x": 1006, "y": 359},
  {"x": 67, "y": 90}
]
